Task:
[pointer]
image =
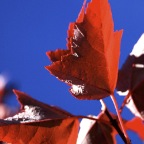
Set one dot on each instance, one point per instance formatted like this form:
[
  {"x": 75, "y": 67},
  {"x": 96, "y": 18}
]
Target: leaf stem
[
  {"x": 113, "y": 121},
  {"x": 115, "y": 125},
  {"x": 120, "y": 119},
  {"x": 125, "y": 101}
]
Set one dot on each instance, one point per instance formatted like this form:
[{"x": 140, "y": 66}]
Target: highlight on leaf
[{"x": 90, "y": 63}]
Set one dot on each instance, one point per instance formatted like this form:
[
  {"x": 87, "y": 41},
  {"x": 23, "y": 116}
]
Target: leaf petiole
[
  {"x": 120, "y": 119},
  {"x": 125, "y": 101}
]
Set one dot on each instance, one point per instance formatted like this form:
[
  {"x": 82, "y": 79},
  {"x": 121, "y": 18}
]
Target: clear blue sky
[{"x": 29, "y": 28}]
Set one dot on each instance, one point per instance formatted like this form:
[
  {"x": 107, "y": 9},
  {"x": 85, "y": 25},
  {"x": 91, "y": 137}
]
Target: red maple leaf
[
  {"x": 38, "y": 123},
  {"x": 90, "y": 63}
]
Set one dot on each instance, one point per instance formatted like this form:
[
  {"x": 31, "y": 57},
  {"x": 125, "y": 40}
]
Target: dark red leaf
[
  {"x": 130, "y": 76},
  {"x": 131, "y": 79},
  {"x": 103, "y": 129},
  {"x": 100, "y": 131},
  {"x": 95, "y": 132},
  {"x": 133, "y": 83},
  {"x": 90, "y": 64},
  {"x": 38, "y": 123},
  {"x": 135, "y": 101},
  {"x": 138, "y": 96},
  {"x": 132, "y": 72}
]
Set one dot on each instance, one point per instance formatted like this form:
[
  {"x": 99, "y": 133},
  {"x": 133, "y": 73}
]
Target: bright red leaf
[
  {"x": 38, "y": 123},
  {"x": 136, "y": 125},
  {"x": 56, "y": 131},
  {"x": 90, "y": 64}
]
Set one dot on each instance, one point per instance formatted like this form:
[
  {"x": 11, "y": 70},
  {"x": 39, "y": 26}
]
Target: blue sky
[{"x": 29, "y": 28}]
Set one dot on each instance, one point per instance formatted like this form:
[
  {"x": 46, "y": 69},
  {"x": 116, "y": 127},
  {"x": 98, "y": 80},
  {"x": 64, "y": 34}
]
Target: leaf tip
[
  {"x": 16, "y": 91},
  {"x": 81, "y": 13},
  {"x": 47, "y": 53},
  {"x": 47, "y": 67}
]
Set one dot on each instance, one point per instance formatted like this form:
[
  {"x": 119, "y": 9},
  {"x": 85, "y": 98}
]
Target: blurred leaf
[
  {"x": 4, "y": 111},
  {"x": 3, "y": 83}
]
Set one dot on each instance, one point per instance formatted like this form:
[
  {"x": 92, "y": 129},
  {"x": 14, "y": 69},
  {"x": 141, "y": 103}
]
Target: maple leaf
[
  {"x": 51, "y": 111},
  {"x": 90, "y": 63},
  {"x": 38, "y": 123},
  {"x": 131, "y": 74},
  {"x": 135, "y": 101},
  {"x": 92, "y": 132},
  {"x": 100, "y": 129},
  {"x": 131, "y": 79}
]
